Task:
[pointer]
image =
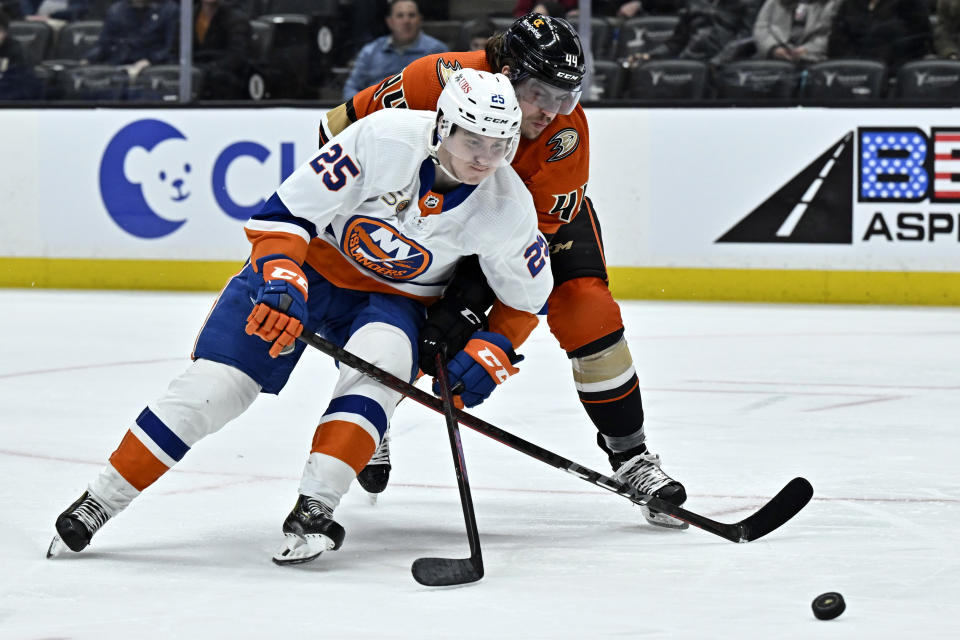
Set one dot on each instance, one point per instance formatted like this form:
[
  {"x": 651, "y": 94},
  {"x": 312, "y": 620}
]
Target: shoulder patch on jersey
[
  {"x": 376, "y": 246},
  {"x": 446, "y": 69},
  {"x": 563, "y": 143}
]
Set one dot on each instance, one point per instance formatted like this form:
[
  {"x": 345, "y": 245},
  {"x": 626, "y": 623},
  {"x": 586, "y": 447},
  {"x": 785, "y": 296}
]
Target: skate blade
[
  {"x": 57, "y": 547},
  {"x": 372, "y": 497},
  {"x": 297, "y": 550},
  {"x": 662, "y": 520}
]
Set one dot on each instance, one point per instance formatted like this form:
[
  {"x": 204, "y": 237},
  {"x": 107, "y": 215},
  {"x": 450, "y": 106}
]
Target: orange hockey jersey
[{"x": 554, "y": 166}]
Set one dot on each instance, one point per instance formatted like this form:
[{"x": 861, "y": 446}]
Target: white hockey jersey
[{"x": 362, "y": 213}]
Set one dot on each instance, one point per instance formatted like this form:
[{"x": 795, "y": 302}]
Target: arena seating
[
  {"x": 668, "y": 80},
  {"x": 640, "y": 35},
  {"x": 845, "y": 80},
  {"x": 76, "y": 39},
  {"x": 607, "y": 80},
  {"x": 757, "y": 80},
  {"x": 296, "y": 52},
  {"x": 96, "y": 82},
  {"x": 162, "y": 83},
  {"x": 929, "y": 81},
  {"x": 35, "y": 38}
]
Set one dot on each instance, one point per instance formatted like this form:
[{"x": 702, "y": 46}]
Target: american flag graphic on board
[{"x": 946, "y": 165}]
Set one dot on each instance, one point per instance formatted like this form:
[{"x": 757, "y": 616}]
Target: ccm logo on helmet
[
  {"x": 567, "y": 76},
  {"x": 495, "y": 120}
]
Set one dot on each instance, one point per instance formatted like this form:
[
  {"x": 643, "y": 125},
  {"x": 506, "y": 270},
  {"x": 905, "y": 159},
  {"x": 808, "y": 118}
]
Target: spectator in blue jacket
[
  {"x": 391, "y": 53},
  {"x": 138, "y": 33}
]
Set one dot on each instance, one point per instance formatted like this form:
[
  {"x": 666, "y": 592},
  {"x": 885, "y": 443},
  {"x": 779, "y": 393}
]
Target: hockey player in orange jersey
[{"x": 544, "y": 59}]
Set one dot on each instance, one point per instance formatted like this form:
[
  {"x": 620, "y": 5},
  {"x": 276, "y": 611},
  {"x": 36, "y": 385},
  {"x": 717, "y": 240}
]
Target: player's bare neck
[{"x": 443, "y": 183}]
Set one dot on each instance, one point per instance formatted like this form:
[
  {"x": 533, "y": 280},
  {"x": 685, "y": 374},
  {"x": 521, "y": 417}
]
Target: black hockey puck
[{"x": 828, "y": 606}]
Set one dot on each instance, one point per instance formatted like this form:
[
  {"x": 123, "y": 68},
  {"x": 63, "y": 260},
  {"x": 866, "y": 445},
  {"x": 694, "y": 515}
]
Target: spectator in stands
[
  {"x": 391, "y": 53},
  {"x": 891, "y": 31},
  {"x": 480, "y": 32},
  {"x": 794, "y": 30},
  {"x": 17, "y": 81},
  {"x": 366, "y": 23},
  {"x": 946, "y": 35},
  {"x": 138, "y": 33},
  {"x": 707, "y": 30},
  {"x": 221, "y": 37},
  {"x": 54, "y": 10}
]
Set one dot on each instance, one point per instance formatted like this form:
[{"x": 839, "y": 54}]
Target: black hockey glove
[
  {"x": 449, "y": 326},
  {"x": 457, "y": 315}
]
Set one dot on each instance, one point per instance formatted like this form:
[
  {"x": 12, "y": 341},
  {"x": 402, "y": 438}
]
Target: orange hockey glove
[{"x": 280, "y": 306}]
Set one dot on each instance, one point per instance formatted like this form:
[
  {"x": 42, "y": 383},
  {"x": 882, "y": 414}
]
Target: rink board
[{"x": 807, "y": 205}]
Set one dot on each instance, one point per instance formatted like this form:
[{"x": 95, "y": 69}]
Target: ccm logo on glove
[
  {"x": 492, "y": 358},
  {"x": 278, "y": 272},
  {"x": 485, "y": 362},
  {"x": 280, "y": 304}
]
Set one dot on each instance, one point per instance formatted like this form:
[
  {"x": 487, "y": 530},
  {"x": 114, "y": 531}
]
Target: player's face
[
  {"x": 540, "y": 104},
  {"x": 472, "y": 157},
  {"x": 535, "y": 120}
]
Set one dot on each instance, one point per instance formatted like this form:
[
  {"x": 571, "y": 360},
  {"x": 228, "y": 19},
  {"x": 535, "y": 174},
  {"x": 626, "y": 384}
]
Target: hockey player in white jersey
[{"x": 353, "y": 245}]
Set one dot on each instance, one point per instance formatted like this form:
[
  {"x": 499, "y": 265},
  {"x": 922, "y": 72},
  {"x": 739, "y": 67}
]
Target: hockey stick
[
  {"x": 777, "y": 511},
  {"x": 443, "y": 572}
]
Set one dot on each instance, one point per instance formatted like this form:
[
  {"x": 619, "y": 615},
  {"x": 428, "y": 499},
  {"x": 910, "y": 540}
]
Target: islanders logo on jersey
[{"x": 375, "y": 245}]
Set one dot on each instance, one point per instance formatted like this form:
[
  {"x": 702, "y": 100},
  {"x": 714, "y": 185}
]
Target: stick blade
[
  {"x": 445, "y": 572},
  {"x": 783, "y": 506}
]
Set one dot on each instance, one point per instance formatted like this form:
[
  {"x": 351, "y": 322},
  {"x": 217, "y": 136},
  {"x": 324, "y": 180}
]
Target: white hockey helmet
[{"x": 483, "y": 104}]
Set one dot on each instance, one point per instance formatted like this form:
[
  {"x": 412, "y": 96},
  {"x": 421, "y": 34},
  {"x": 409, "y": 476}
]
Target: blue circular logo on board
[{"x": 130, "y": 178}]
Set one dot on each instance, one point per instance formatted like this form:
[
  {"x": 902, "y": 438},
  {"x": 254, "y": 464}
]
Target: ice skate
[
  {"x": 309, "y": 530},
  {"x": 76, "y": 526},
  {"x": 374, "y": 477},
  {"x": 641, "y": 470}
]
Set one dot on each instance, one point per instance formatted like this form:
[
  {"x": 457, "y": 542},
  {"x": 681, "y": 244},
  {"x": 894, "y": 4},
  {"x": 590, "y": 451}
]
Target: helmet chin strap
[{"x": 437, "y": 162}]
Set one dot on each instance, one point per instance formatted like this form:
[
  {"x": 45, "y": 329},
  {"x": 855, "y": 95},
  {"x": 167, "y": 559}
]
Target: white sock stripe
[
  {"x": 355, "y": 418},
  {"x": 151, "y": 446},
  {"x": 607, "y": 385}
]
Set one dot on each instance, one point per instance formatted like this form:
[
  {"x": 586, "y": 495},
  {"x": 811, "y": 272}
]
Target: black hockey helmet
[{"x": 545, "y": 48}]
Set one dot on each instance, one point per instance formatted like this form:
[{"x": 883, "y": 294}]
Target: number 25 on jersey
[
  {"x": 536, "y": 255},
  {"x": 334, "y": 166}
]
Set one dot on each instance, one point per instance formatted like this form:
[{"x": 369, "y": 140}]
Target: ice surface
[{"x": 863, "y": 401}]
